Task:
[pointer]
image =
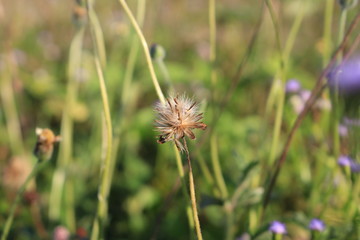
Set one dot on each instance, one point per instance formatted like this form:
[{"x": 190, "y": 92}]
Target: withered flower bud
[
  {"x": 157, "y": 52},
  {"x": 348, "y": 4},
  {"x": 45, "y": 143},
  {"x": 176, "y": 119}
]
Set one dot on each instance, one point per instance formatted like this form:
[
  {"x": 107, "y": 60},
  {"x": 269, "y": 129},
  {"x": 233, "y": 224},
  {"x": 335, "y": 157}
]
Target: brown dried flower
[
  {"x": 176, "y": 119},
  {"x": 45, "y": 143}
]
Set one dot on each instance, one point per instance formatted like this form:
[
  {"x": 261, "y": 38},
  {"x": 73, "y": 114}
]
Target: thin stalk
[
  {"x": 281, "y": 95},
  {"x": 219, "y": 178},
  {"x": 342, "y": 27},
  {"x": 212, "y": 33},
  {"x": 192, "y": 194},
  {"x": 204, "y": 168},
  {"x": 134, "y": 49},
  {"x": 183, "y": 186},
  {"x": 105, "y": 169},
  {"x": 10, "y": 109},
  {"x": 166, "y": 75},
  {"x": 277, "y": 31},
  {"x": 146, "y": 50},
  {"x": 293, "y": 32},
  {"x": 329, "y": 9},
  {"x": 101, "y": 214},
  {"x": 230, "y": 230},
  {"x": 38, "y": 165},
  {"x": 335, "y": 97}
]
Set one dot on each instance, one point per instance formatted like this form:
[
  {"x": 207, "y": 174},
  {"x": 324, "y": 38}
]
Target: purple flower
[
  {"x": 317, "y": 225},
  {"x": 292, "y": 86},
  {"x": 343, "y": 130},
  {"x": 348, "y": 161},
  {"x": 277, "y": 227},
  {"x": 305, "y": 95},
  {"x": 344, "y": 161},
  {"x": 346, "y": 77}
]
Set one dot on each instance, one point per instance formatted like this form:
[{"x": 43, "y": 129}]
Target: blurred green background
[{"x": 46, "y": 73}]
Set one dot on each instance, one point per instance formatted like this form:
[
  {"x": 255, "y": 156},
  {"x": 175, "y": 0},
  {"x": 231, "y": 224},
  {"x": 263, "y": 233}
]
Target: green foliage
[{"x": 48, "y": 78}]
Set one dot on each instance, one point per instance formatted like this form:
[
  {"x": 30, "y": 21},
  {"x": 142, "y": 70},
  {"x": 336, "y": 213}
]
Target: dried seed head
[
  {"x": 45, "y": 143},
  {"x": 176, "y": 119}
]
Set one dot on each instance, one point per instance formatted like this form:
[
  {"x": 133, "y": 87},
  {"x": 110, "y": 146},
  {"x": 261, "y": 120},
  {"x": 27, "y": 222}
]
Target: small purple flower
[
  {"x": 348, "y": 161},
  {"x": 346, "y": 77},
  {"x": 344, "y": 161},
  {"x": 317, "y": 225},
  {"x": 277, "y": 227},
  {"x": 343, "y": 130},
  {"x": 305, "y": 95},
  {"x": 292, "y": 86}
]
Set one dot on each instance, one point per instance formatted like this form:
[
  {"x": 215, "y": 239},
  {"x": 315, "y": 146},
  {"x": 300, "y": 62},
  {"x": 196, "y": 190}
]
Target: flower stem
[
  {"x": 219, "y": 178},
  {"x": 146, "y": 50},
  {"x": 329, "y": 8},
  {"x": 183, "y": 186},
  {"x": 8, "y": 102},
  {"x": 130, "y": 64},
  {"x": 192, "y": 194},
  {"x": 335, "y": 97},
  {"x": 20, "y": 192},
  {"x": 104, "y": 187}
]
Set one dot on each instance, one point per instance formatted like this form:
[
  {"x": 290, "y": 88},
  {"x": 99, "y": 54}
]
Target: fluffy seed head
[
  {"x": 45, "y": 143},
  {"x": 176, "y": 118}
]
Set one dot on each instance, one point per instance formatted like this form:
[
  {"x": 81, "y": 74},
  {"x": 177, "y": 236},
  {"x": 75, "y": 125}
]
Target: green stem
[
  {"x": 229, "y": 210},
  {"x": 146, "y": 50},
  {"x": 183, "y": 185},
  {"x": 280, "y": 95},
  {"x": 105, "y": 169},
  {"x": 342, "y": 25},
  {"x": 10, "y": 109},
  {"x": 204, "y": 168},
  {"x": 166, "y": 75},
  {"x": 276, "y": 236},
  {"x": 277, "y": 31},
  {"x": 327, "y": 31},
  {"x": 335, "y": 97},
  {"x": 293, "y": 33},
  {"x": 104, "y": 187},
  {"x": 134, "y": 49},
  {"x": 192, "y": 194},
  {"x": 19, "y": 194},
  {"x": 212, "y": 30},
  {"x": 212, "y": 38},
  {"x": 219, "y": 178}
]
